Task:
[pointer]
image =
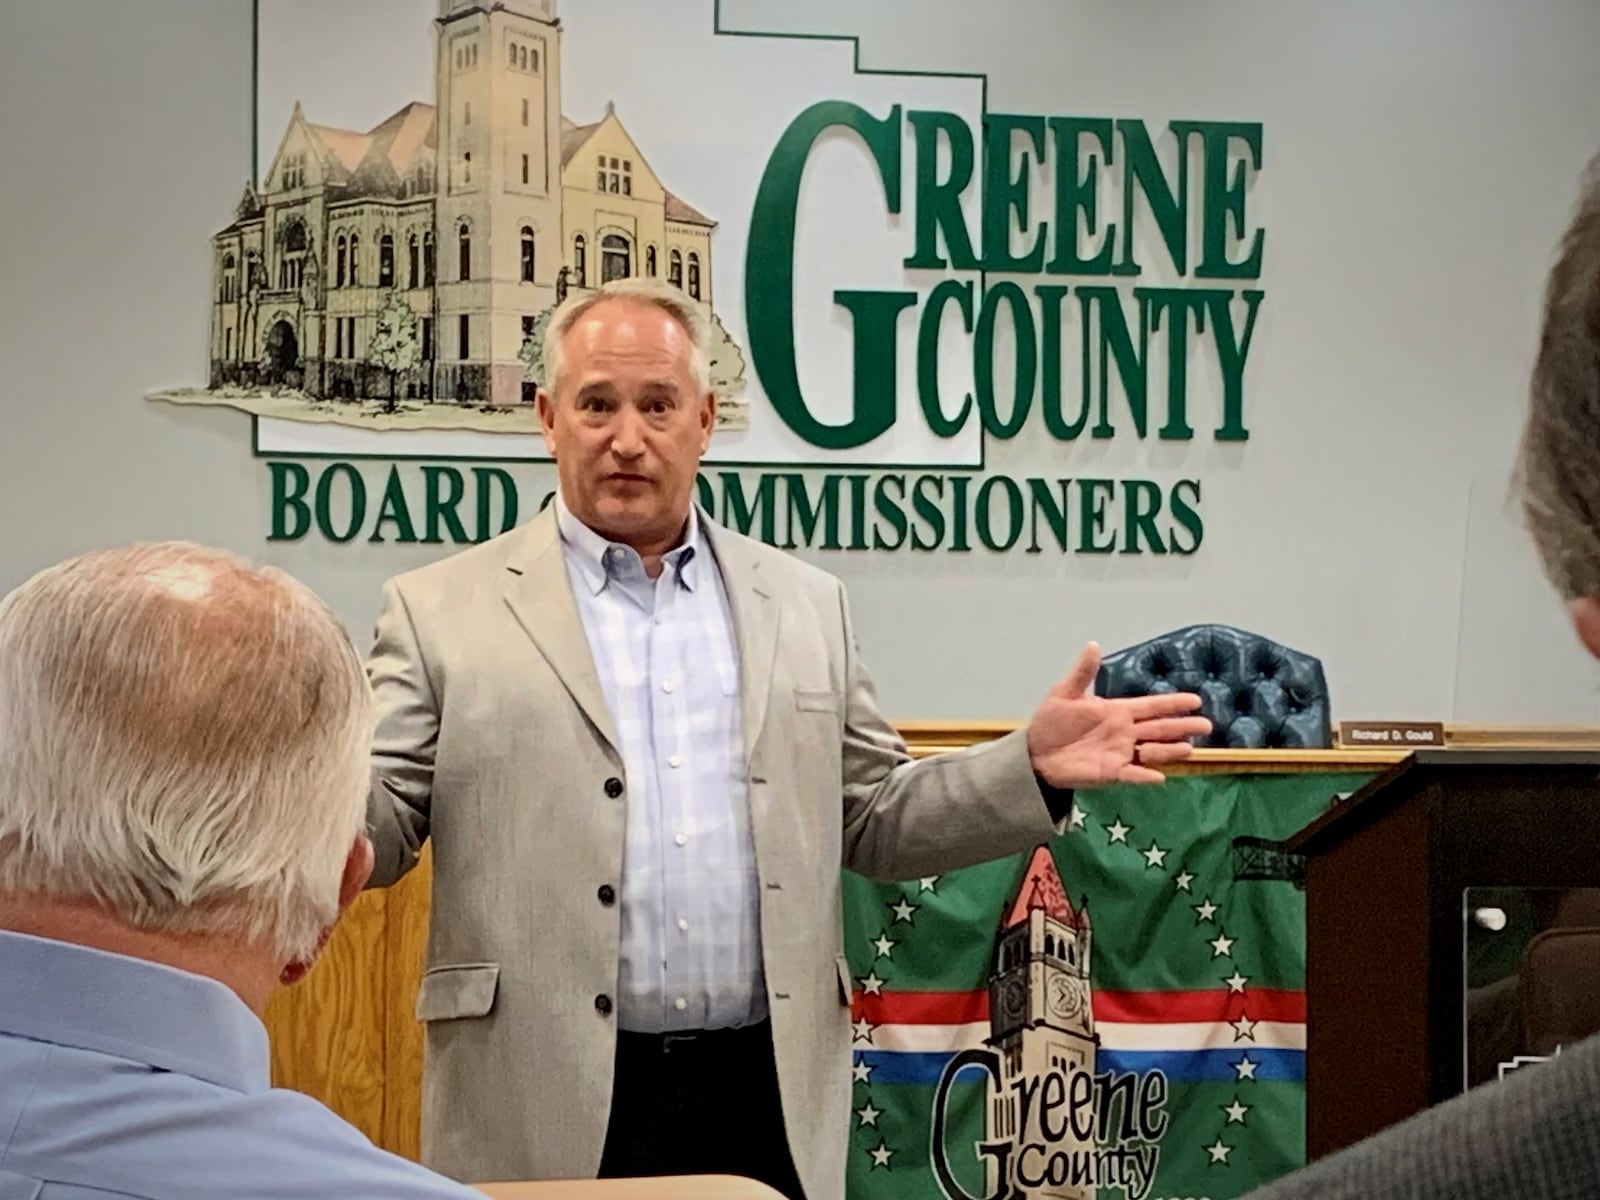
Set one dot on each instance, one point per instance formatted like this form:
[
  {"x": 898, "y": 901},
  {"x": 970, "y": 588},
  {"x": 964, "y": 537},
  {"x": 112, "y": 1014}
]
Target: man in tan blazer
[{"x": 644, "y": 746}]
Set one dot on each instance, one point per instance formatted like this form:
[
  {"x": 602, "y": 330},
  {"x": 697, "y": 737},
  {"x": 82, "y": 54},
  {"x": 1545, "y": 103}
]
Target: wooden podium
[{"x": 1386, "y": 877}]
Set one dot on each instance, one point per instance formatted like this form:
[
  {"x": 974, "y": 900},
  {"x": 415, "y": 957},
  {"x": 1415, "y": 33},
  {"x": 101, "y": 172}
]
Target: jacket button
[
  {"x": 613, "y": 787},
  {"x": 608, "y": 894},
  {"x": 602, "y": 1004}
]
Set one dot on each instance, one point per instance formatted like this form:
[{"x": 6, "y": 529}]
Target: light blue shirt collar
[
  {"x": 128, "y": 1008},
  {"x": 599, "y": 559}
]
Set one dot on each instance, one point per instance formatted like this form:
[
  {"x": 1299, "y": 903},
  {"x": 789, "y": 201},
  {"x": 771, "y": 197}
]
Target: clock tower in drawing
[
  {"x": 1041, "y": 1010},
  {"x": 499, "y": 212}
]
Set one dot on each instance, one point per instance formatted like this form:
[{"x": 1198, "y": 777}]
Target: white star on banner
[
  {"x": 1155, "y": 856},
  {"x": 1246, "y": 1067},
  {"x": 872, "y": 985},
  {"x": 1204, "y": 912},
  {"x": 1236, "y": 981},
  {"x": 927, "y": 883},
  {"x": 1219, "y": 1151},
  {"x": 1236, "y": 1111},
  {"x": 903, "y": 910},
  {"x": 884, "y": 946},
  {"x": 860, "y": 1071},
  {"x": 1118, "y": 831},
  {"x": 1223, "y": 944},
  {"x": 869, "y": 1115},
  {"x": 1076, "y": 818},
  {"x": 1244, "y": 1027},
  {"x": 880, "y": 1156},
  {"x": 863, "y": 1031},
  {"x": 1183, "y": 881}
]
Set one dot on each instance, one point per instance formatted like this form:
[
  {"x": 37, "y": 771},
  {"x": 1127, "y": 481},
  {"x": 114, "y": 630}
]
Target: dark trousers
[{"x": 699, "y": 1104}]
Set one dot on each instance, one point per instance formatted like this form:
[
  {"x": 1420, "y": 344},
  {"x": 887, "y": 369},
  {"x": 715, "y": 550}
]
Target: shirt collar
[
  {"x": 128, "y": 1008},
  {"x": 599, "y": 559}
]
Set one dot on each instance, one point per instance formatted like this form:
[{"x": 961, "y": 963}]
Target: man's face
[{"x": 627, "y": 426}]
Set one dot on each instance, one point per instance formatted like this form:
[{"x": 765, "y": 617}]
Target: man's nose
[{"x": 627, "y": 437}]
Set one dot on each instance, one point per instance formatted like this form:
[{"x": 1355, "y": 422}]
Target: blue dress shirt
[
  {"x": 668, "y": 663},
  {"x": 122, "y": 1078}
]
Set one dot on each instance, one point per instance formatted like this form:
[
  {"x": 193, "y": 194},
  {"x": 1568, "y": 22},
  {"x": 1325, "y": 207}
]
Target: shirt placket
[{"x": 666, "y": 735}]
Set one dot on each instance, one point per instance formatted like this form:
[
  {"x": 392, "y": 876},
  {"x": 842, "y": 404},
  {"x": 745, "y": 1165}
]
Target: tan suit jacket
[{"x": 494, "y": 739}]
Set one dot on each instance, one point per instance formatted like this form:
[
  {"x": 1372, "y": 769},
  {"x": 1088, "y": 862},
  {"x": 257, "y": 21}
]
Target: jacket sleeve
[
  {"x": 404, "y": 742},
  {"x": 905, "y": 818}
]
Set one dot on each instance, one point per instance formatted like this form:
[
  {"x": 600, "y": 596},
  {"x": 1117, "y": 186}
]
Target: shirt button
[
  {"x": 602, "y": 1004},
  {"x": 680, "y": 1004},
  {"x": 668, "y": 686},
  {"x": 613, "y": 787},
  {"x": 683, "y": 924},
  {"x": 607, "y": 894},
  {"x": 674, "y": 761},
  {"x": 682, "y": 839}
]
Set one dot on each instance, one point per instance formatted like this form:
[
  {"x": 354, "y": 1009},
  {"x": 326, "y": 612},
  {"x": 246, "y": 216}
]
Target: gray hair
[
  {"x": 640, "y": 290},
  {"x": 1558, "y": 466},
  {"x": 185, "y": 740}
]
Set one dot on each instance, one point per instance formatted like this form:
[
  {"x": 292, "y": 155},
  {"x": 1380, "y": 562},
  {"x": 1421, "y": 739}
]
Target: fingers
[
  {"x": 1081, "y": 678},
  {"x": 1171, "y": 729},
  {"x": 1165, "y": 704},
  {"x": 1157, "y": 753}
]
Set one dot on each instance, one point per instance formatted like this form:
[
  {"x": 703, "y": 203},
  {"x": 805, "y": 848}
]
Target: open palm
[{"x": 1077, "y": 739}]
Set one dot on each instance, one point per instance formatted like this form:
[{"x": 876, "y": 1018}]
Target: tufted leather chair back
[{"x": 1258, "y": 694}]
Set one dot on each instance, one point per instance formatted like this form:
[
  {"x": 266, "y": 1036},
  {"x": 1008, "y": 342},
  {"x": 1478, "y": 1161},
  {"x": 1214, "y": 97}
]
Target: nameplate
[{"x": 1390, "y": 735}]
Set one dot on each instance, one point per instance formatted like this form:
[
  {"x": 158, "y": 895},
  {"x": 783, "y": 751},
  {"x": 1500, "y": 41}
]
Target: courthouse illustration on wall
[{"x": 477, "y": 213}]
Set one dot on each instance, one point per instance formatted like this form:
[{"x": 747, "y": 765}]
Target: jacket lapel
[
  {"x": 755, "y": 612},
  {"x": 540, "y": 597}
]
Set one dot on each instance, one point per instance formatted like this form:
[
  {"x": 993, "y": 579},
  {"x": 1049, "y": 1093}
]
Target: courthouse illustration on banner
[{"x": 1117, "y": 1015}]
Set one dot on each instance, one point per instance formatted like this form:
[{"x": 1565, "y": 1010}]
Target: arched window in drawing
[{"x": 616, "y": 258}]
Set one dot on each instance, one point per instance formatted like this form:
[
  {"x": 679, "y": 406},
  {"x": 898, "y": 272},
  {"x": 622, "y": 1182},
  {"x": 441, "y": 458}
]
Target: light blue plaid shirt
[{"x": 669, "y": 666}]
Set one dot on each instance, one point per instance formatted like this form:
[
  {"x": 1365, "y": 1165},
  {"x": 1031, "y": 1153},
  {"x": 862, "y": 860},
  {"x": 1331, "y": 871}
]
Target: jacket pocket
[
  {"x": 458, "y": 990},
  {"x": 817, "y": 700},
  {"x": 841, "y": 966}
]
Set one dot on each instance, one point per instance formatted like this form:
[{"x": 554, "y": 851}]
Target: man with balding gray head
[{"x": 183, "y": 762}]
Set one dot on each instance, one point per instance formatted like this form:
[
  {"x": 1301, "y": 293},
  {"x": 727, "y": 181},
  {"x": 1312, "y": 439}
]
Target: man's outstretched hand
[{"x": 1078, "y": 740}]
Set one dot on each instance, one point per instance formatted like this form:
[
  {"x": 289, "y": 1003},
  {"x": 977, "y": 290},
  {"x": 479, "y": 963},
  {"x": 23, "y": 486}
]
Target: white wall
[{"x": 1420, "y": 161}]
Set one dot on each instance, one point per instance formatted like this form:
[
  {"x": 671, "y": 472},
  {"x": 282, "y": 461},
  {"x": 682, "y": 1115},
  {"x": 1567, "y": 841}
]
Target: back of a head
[
  {"x": 1559, "y": 467},
  {"x": 184, "y": 743}
]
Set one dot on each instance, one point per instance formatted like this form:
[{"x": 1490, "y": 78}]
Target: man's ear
[
  {"x": 1586, "y": 620},
  {"x": 358, "y": 866},
  {"x": 708, "y": 420},
  {"x": 546, "y": 405}
]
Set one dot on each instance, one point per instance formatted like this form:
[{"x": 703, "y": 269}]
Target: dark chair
[{"x": 1257, "y": 694}]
